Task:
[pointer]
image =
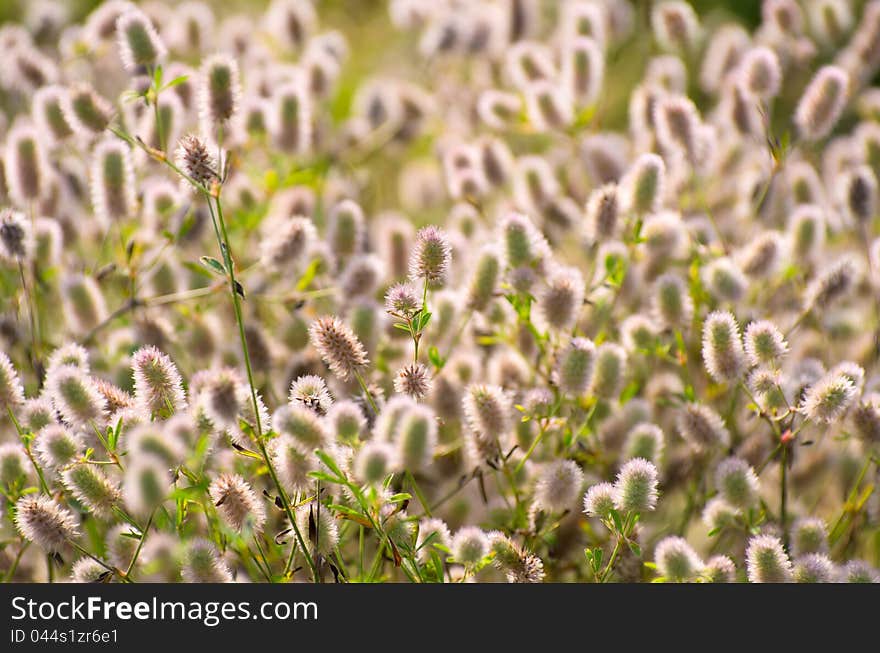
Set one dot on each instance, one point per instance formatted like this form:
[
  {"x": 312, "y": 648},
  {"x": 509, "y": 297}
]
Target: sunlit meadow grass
[{"x": 435, "y": 291}]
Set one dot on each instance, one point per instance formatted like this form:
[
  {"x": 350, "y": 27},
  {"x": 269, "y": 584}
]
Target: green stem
[
  {"x": 531, "y": 449},
  {"x": 28, "y": 452},
  {"x": 223, "y": 236},
  {"x": 11, "y": 572},
  {"x": 32, "y": 317},
  {"x": 140, "y": 545},
  {"x": 118, "y": 572},
  {"x": 783, "y": 493},
  {"x": 367, "y": 393}
]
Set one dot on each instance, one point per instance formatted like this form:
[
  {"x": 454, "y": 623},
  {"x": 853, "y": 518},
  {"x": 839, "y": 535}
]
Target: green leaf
[
  {"x": 331, "y": 464},
  {"x": 629, "y": 391},
  {"x": 403, "y": 326},
  {"x": 435, "y": 358},
  {"x": 596, "y": 556},
  {"x": 635, "y": 548},
  {"x": 309, "y": 275},
  {"x": 324, "y": 476},
  {"x": 213, "y": 264},
  {"x": 618, "y": 524},
  {"x": 400, "y": 496},
  {"x": 175, "y": 82},
  {"x": 423, "y": 320},
  {"x": 157, "y": 77}
]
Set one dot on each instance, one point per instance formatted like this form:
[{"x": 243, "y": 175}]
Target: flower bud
[
  {"x": 24, "y": 165},
  {"x": 822, "y": 103},
  {"x": 679, "y": 127},
  {"x": 766, "y": 560},
  {"x": 560, "y": 301},
  {"x": 293, "y": 462},
  {"x": 641, "y": 190},
  {"x": 675, "y": 25},
  {"x": 416, "y": 438},
  {"x": 87, "y": 113},
  {"x": 724, "y": 280},
  {"x": 237, "y": 503},
  {"x": 806, "y": 230},
  {"x": 719, "y": 569},
  {"x": 219, "y": 93},
  {"x": 737, "y": 482},
  {"x": 91, "y": 487},
  {"x": 676, "y": 560},
  {"x": 146, "y": 484},
  {"x": 414, "y": 380},
  {"x": 346, "y": 229},
  {"x": 759, "y": 72},
  {"x": 645, "y": 441},
  {"x": 583, "y": 69},
  {"x": 636, "y": 486},
  {"x": 702, "y": 427},
  {"x": 157, "y": 384},
  {"x": 112, "y": 182},
  {"x": 76, "y": 397},
  {"x": 764, "y": 344},
  {"x": 469, "y": 546},
  {"x": 202, "y": 564},
  {"x": 672, "y": 304},
  {"x": 600, "y": 499},
  {"x": 48, "y": 114},
  {"x": 814, "y": 568},
  {"x": 196, "y": 161},
  {"x": 548, "y": 106},
  {"x": 858, "y": 190},
  {"x": 291, "y": 125},
  {"x": 338, "y": 346},
  {"x": 430, "y": 256},
  {"x": 558, "y": 486},
  {"x": 498, "y": 109},
  {"x": 303, "y": 425},
  {"x": 139, "y": 43},
  {"x": 610, "y": 371},
  {"x": 722, "y": 347},
  {"x": 828, "y": 399},
  {"x": 809, "y": 535},
  {"x": 488, "y": 410},
  {"x": 41, "y": 520},
  {"x": 574, "y": 371},
  {"x": 375, "y": 460}
]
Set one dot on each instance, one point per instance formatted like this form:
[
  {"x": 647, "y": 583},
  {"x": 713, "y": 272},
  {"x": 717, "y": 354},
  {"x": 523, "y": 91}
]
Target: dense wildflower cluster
[{"x": 576, "y": 291}]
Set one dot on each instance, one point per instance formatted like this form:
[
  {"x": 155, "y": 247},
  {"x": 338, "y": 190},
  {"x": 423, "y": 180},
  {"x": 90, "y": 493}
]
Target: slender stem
[
  {"x": 418, "y": 492},
  {"x": 418, "y": 336},
  {"x": 837, "y": 530},
  {"x": 123, "y": 576},
  {"x": 531, "y": 449},
  {"x": 220, "y": 224},
  {"x": 268, "y": 569},
  {"x": 27, "y": 449},
  {"x": 11, "y": 572},
  {"x": 608, "y": 567},
  {"x": 140, "y": 545},
  {"x": 158, "y": 117},
  {"x": 367, "y": 393},
  {"x": 32, "y": 318},
  {"x": 783, "y": 493}
]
